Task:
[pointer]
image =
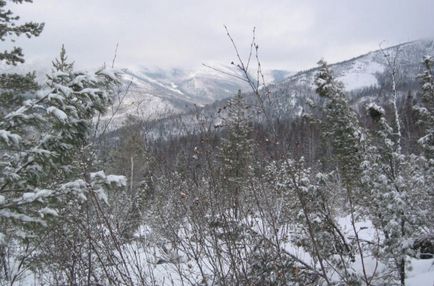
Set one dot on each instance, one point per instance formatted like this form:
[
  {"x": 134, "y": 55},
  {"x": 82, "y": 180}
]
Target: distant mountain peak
[
  {"x": 154, "y": 92},
  {"x": 361, "y": 71}
]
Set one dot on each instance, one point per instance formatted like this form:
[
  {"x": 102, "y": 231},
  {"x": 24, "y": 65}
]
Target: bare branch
[
  {"x": 115, "y": 55},
  {"x": 226, "y": 73}
]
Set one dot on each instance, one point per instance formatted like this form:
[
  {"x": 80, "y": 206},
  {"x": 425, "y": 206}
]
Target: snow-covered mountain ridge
[
  {"x": 362, "y": 71},
  {"x": 293, "y": 95},
  {"x": 366, "y": 79},
  {"x": 154, "y": 93}
]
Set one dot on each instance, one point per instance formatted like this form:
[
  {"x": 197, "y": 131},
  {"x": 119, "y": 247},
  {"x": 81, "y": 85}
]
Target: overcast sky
[{"x": 292, "y": 35}]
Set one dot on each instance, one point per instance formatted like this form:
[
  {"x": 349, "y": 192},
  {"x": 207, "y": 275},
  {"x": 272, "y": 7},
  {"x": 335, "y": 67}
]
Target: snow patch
[{"x": 57, "y": 113}]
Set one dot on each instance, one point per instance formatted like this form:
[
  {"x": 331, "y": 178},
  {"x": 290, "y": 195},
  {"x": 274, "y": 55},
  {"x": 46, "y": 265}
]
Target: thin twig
[
  {"x": 226, "y": 73},
  {"x": 115, "y": 55},
  {"x": 252, "y": 44}
]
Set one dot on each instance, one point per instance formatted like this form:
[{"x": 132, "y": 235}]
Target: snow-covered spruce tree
[
  {"x": 427, "y": 109},
  {"x": 427, "y": 114},
  {"x": 347, "y": 138},
  {"x": 226, "y": 219},
  {"x": 313, "y": 218},
  {"x": 397, "y": 187},
  {"x": 40, "y": 141},
  {"x": 64, "y": 249},
  {"x": 13, "y": 86},
  {"x": 10, "y": 28},
  {"x": 341, "y": 126},
  {"x": 236, "y": 152},
  {"x": 133, "y": 159}
]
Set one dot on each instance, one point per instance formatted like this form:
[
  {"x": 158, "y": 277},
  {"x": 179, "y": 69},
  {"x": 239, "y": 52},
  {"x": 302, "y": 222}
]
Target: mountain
[
  {"x": 152, "y": 93},
  {"x": 363, "y": 71},
  {"x": 366, "y": 79},
  {"x": 156, "y": 94}
]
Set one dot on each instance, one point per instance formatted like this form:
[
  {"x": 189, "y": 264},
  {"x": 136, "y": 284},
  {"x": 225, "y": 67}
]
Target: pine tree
[
  {"x": 14, "y": 88},
  {"x": 236, "y": 151},
  {"x": 41, "y": 140},
  {"x": 133, "y": 160},
  {"x": 396, "y": 197},
  {"x": 427, "y": 110},
  {"x": 341, "y": 126},
  {"x": 348, "y": 142},
  {"x": 9, "y": 27},
  {"x": 396, "y": 186}
]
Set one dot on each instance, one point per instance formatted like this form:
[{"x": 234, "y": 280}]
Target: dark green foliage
[
  {"x": 236, "y": 151},
  {"x": 341, "y": 126},
  {"x": 375, "y": 114},
  {"x": 9, "y": 27},
  {"x": 427, "y": 109},
  {"x": 15, "y": 88},
  {"x": 237, "y": 148}
]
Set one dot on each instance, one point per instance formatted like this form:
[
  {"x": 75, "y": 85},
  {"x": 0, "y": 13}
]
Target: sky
[{"x": 292, "y": 35}]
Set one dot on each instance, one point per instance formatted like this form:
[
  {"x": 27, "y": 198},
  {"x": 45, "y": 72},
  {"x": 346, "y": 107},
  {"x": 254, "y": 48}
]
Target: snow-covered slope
[
  {"x": 363, "y": 71},
  {"x": 157, "y": 93},
  {"x": 154, "y": 93},
  {"x": 294, "y": 95}
]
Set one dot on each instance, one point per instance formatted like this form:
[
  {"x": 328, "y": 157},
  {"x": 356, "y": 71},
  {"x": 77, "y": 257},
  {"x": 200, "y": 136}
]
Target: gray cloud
[{"x": 292, "y": 34}]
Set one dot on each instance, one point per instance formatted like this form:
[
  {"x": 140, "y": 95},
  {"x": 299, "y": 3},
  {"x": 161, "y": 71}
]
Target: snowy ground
[
  {"x": 421, "y": 272},
  {"x": 162, "y": 268}
]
